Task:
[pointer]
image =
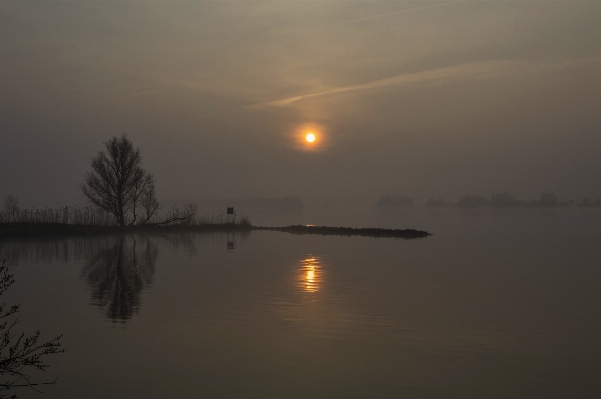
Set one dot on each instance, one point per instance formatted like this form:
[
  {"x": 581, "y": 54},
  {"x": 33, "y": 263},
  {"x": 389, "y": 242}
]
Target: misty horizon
[
  {"x": 300, "y": 199},
  {"x": 425, "y": 99}
]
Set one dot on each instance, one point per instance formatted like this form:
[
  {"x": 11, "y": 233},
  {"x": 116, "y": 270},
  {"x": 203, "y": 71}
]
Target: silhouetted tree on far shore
[
  {"x": 587, "y": 203},
  {"x": 503, "y": 200},
  {"x": 547, "y": 200},
  {"x": 119, "y": 185}
]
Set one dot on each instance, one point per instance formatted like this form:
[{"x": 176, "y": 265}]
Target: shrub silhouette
[{"x": 20, "y": 353}]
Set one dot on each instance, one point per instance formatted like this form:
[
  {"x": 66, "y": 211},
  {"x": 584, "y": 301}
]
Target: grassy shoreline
[{"x": 24, "y": 229}]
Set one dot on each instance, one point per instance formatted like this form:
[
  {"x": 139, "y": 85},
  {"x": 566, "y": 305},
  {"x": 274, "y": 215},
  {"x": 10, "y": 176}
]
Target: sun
[{"x": 309, "y": 137}]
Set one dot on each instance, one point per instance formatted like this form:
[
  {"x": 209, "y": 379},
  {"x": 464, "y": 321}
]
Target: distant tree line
[{"x": 499, "y": 200}]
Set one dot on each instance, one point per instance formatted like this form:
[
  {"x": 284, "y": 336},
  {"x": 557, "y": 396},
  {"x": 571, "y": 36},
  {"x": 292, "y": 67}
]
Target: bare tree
[
  {"x": 119, "y": 185},
  {"x": 143, "y": 196}
]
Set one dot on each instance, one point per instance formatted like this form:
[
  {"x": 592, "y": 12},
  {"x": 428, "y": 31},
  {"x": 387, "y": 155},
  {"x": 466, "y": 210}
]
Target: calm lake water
[{"x": 496, "y": 304}]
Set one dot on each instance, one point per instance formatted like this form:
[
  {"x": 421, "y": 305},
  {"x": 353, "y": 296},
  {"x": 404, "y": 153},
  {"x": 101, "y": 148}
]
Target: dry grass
[{"x": 92, "y": 216}]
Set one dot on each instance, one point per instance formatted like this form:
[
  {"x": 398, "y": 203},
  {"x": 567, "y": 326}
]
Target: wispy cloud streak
[{"x": 474, "y": 70}]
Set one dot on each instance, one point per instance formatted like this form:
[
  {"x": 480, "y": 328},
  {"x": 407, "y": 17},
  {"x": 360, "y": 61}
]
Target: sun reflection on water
[{"x": 310, "y": 274}]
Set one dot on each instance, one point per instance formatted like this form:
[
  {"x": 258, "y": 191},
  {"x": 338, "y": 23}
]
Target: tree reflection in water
[
  {"x": 118, "y": 272},
  {"x": 117, "y": 268}
]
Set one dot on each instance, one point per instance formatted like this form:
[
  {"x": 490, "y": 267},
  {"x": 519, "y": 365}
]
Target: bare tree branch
[
  {"x": 177, "y": 216},
  {"x": 19, "y": 352}
]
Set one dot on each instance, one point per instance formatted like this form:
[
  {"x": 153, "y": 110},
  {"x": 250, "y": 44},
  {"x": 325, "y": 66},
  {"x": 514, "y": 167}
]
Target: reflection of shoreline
[
  {"x": 117, "y": 267},
  {"x": 26, "y": 230},
  {"x": 65, "y": 230},
  {"x": 51, "y": 248}
]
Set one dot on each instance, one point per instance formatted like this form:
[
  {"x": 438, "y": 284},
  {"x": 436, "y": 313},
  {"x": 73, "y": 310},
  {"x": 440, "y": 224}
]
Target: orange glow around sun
[{"x": 310, "y": 137}]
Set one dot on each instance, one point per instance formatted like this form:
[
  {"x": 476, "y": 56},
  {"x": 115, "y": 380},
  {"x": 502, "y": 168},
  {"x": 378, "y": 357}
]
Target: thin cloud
[
  {"x": 406, "y": 10},
  {"x": 399, "y": 12},
  {"x": 477, "y": 70}
]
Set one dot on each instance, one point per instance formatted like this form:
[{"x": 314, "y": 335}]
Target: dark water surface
[{"x": 496, "y": 304}]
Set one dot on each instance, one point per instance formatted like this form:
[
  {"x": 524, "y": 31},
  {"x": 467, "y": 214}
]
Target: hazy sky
[{"x": 422, "y": 98}]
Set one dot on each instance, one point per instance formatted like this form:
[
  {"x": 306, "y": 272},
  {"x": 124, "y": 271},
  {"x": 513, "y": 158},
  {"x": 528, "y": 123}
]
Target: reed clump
[
  {"x": 93, "y": 216},
  {"x": 77, "y": 215}
]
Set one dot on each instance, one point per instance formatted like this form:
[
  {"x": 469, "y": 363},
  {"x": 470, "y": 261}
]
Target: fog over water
[
  {"x": 477, "y": 121},
  {"x": 418, "y": 98},
  {"x": 497, "y": 303}
]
